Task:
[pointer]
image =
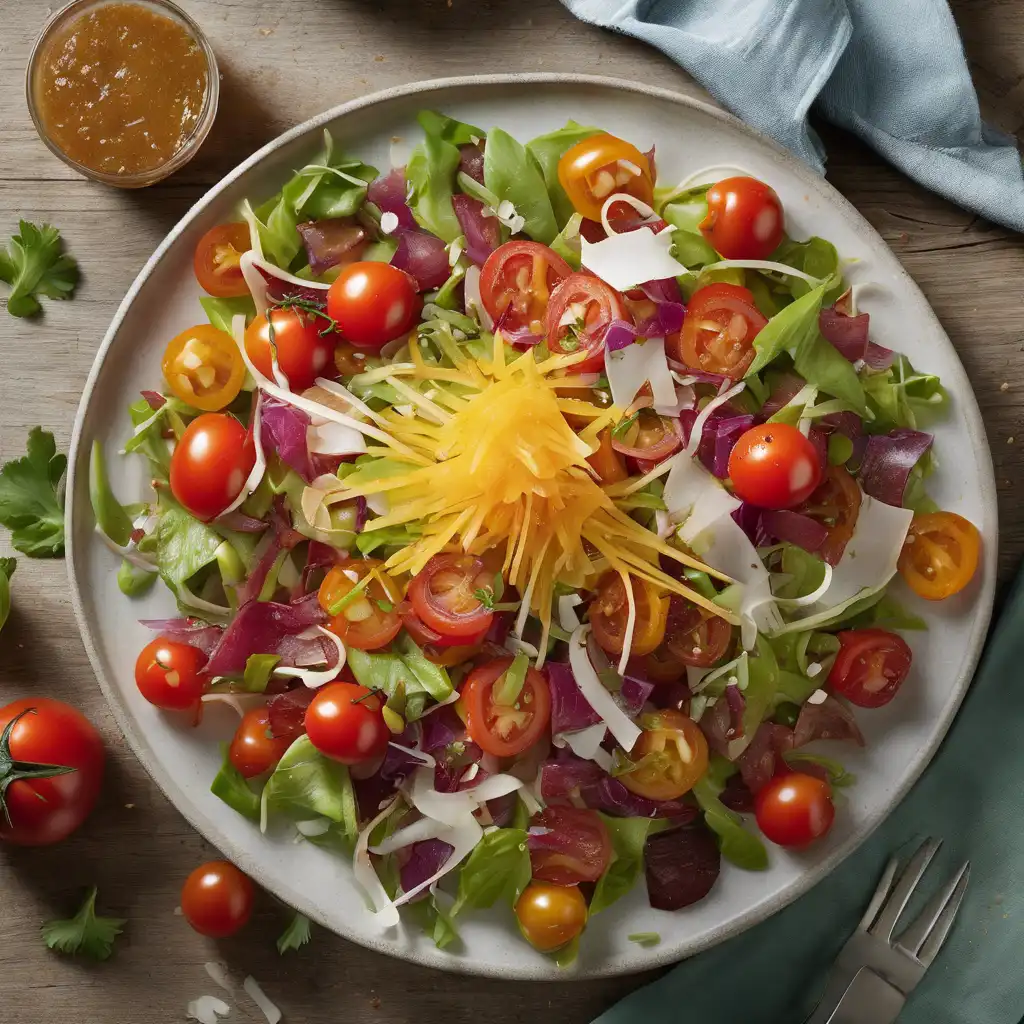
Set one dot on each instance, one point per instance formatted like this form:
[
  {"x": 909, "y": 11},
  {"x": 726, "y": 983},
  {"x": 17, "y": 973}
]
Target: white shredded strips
[
  {"x": 698, "y": 424},
  {"x": 366, "y": 877},
  {"x": 567, "y": 617},
  {"x": 625, "y": 731},
  {"x": 314, "y": 827},
  {"x": 239, "y": 702},
  {"x": 258, "y": 996},
  {"x": 314, "y": 677},
  {"x": 206, "y": 1009},
  {"x": 219, "y": 973},
  {"x": 624, "y": 197}
]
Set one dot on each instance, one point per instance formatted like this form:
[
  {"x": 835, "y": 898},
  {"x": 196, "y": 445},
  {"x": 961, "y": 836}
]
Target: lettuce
[
  {"x": 816, "y": 257},
  {"x": 512, "y": 174},
  {"x": 407, "y": 677},
  {"x": 184, "y": 545},
  {"x": 547, "y": 151},
  {"x": 430, "y": 175},
  {"x": 458, "y": 133},
  {"x": 390, "y": 536},
  {"x": 684, "y": 213},
  {"x": 902, "y": 397},
  {"x": 884, "y": 613},
  {"x": 110, "y": 515},
  {"x": 628, "y": 837},
  {"x": 133, "y": 581},
  {"x": 435, "y": 921},
  {"x": 221, "y": 311},
  {"x": 230, "y": 785},
  {"x": 739, "y": 846},
  {"x": 497, "y": 870}
]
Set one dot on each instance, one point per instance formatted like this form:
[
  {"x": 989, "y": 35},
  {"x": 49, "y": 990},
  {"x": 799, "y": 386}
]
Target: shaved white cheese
[
  {"x": 417, "y": 832},
  {"x": 474, "y": 301},
  {"x": 685, "y": 399},
  {"x": 705, "y": 414},
  {"x": 388, "y": 223},
  {"x": 507, "y": 215},
  {"x": 818, "y": 697},
  {"x": 366, "y": 877},
  {"x": 625, "y": 731},
  {"x": 778, "y": 268},
  {"x": 517, "y": 646},
  {"x": 586, "y": 743},
  {"x": 452, "y": 808},
  {"x": 816, "y": 595},
  {"x": 712, "y": 504},
  {"x": 813, "y": 669},
  {"x": 314, "y": 827},
  {"x": 206, "y": 1009},
  {"x": 627, "y": 260},
  {"x": 638, "y": 364},
  {"x": 247, "y": 486},
  {"x": 314, "y": 677},
  {"x": 567, "y": 617},
  {"x": 334, "y": 439},
  {"x": 257, "y": 995},
  {"x": 239, "y": 702},
  {"x": 627, "y": 637},
  {"x": 219, "y": 973},
  {"x": 200, "y": 604},
  {"x": 639, "y": 205}
]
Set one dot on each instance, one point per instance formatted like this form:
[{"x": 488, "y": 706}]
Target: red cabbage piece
[
  {"x": 372, "y": 795},
  {"x": 888, "y": 461},
  {"x": 261, "y": 627},
  {"x": 681, "y": 865},
  {"x": 154, "y": 399},
  {"x": 849, "y": 334},
  {"x": 424, "y": 258},
  {"x": 503, "y": 809},
  {"x": 471, "y": 161},
  {"x": 749, "y": 519},
  {"x": 619, "y": 335},
  {"x": 564, "y": 777},
  {"x": 786, "y": 387},
  {"x": 848, "y": 423},
  {"x": 570, "y": 710},
  {"x": 441, "y": 728},
  {"x": 794, "y": 528},
  {"x": 483, "y": 234},
  {"x": 318, "y": 556},
  {"x": 398, "y": 765},
  {"x": 722, "y": 429},
  {"x": 829, "y": 720},
  {"x": 819, "y": 439},
  {"x": 758, "y": 762},
  {"x": 664, "y": 290},
  {"x": 332, "y": 241},
  {"x": 249, "y": 589},
  {"x": 701, "y": 376},
  {"x": 283, "y": 430},
  {"x": 278, "y": 290},
  {"x": 388, "y": 194},
  {"x": 612, "y": 797},
  {"x": 426, "y": 858},
  {"x": 281, "y": 522},
  {"x": 716, "y": 724},
  {"x": 287, "y": 712},
  {"x": 668, "y": 319},
  {"x": 453, "y": 763},
  {"x": 737, "y": 704},
  {"x": 737, "y": 796},
  {"x": 187, "y": 631},
  {"x": 241, "y": 523}
]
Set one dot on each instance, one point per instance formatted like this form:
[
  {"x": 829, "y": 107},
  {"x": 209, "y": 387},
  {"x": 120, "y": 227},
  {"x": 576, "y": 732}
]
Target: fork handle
[{"x": 867, "y": 999}]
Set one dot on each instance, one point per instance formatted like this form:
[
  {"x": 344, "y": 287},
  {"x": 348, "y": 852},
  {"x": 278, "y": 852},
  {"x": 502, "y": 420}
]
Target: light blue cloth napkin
[{"x": 891, "y": 71}]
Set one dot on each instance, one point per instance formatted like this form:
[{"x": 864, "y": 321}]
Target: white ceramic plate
[{"x": 689, "y": 135}]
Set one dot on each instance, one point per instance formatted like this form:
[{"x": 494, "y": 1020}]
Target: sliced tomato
[
  {"x": 427, "y": 637},
  {"x": 362, "y": 615},
  {"x": 204, "y": 368},
  {"x": 940, "y": 555},
  {"x": 609, "y": 614},
  {"x": 516, "y": 284},
  {"x": 216, "y": 260},
  {"x": 499, "y": 730},
  {"x": 600, "y": 166},
  {"x": 650, "y": 438},
  {"x": 579, "y": 314},
  {"x": 718, "y": 332},
  {"x": 870, "y": 667},
  {"x": 669, "y": 758},
  {"x": 446, "y": 595},
  {"x": 694, "y": 635},
  {"x": 774, "y": 466},
  {"x": 835, "y": 504},
  {"x": 577, "y": 847},
  {"x": 745, "y": 219}
]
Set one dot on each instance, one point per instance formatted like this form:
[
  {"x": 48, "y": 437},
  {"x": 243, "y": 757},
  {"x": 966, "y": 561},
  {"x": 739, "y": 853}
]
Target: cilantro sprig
[
  {"x": 84, "y": 933},
  {"x": 295, "y": 935},
  {"x": 31, "y": 498},
  {"x": 34, "y": 265}
]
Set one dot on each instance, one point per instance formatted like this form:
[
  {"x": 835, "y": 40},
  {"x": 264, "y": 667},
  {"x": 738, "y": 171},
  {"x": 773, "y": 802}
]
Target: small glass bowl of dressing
[{"x": 123, "y": 91}]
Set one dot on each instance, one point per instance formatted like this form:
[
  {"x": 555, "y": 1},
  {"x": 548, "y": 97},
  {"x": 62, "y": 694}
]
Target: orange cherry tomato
[
  {"x": 670, "y": 756},
  {"x": 367, "y": 620},
  {"x": 445, "y": 594},
  {"x": 499, "y": 729},
  {"x": 835, "y": 504},
  {"x": 169, "y": 674},
  {"x": 745, "y": 219},
  {"x": 216, "y": 260},
  {"x": 348, "y": 360},
  {"x": 600, "y": 166},
  {"x": 302, "y": 344},
  {"x": 694, "y": 635},
  {"x": 773, "y": 465},
  {"x": 345, "y": 722},
  {"x": 940, "y": 555},
  {"x": 606, "y": 462},
  {"x": 516, "y": 283},
  {"x": 373, "y": 303},
  {"x": 211, "y": 463},
  {"x": 719, "y": 330},
  {"x": 254, "y": 750},
  {"x": 609, "y": 613},
  {"x": 870, "y": 667},
  {"x": 217, "y": 899},
  {"x": 795, "y": 809},
  {"x": 592, "y": 305},
  {"x": 551, "y": 916},
  {"x": 204, "y": 368}
]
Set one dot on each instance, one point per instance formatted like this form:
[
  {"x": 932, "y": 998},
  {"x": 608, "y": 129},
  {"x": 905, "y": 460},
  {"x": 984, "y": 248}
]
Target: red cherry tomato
[
  {"x": 794, "y": 809},
  {"x": 170, "y": 674},
  {"x": 718, "y": 332},
  {"x": 499, "y": 730},
  {"x": 870, "y": 667},
  {"x": 577, "y": 849},
  {"x": 745, "y": 219},
  {"x": 303, "y": 352},
  {"x": 211, "y": 463},
  {"x": 48, "y": 734},
  {"x": 345, "y": 723},
  {"x": 836, "y": 505},
  {"x": 695, "y": 636},
  {"x": 254, "y": 749},
  {"x": 216, "y": 260},
  {"x": 429, "y": 638},
  {"x": 596, "y": 305},
  {"x": 368, "y": 620},
  {"x": 517, "y": 282},
  {"x": 445, "y": 596},
  {"x": 216, "y": 899},
  {"x": 774, "y": 466},
  {"x": 373, "y": 303}
]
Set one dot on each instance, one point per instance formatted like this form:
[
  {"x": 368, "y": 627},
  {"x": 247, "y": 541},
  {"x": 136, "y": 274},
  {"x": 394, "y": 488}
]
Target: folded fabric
[{"x": 891, "y": 71}]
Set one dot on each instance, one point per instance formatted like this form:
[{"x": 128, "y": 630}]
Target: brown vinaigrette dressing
[{"x": 121, "y": 88}]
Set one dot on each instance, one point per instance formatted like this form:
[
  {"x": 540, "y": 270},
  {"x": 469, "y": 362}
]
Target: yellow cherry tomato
[
  {"x": 550, "y": 916},
  {"x": 600, "y": 166},
  {"x": 940, "y": 555},
  {"x": 671, "y": 755},
  {"x": 204, "y": 368},
  {"x": 609, "y": 615}
]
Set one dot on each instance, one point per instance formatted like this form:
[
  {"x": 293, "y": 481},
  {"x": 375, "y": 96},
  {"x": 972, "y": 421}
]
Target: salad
[{"x": 535, "y": 516}]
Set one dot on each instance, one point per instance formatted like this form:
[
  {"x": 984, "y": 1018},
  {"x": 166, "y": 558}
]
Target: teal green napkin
[{"x": 972, "y": 796}]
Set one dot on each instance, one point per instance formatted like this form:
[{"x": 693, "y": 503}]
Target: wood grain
[{"x": 283, "y": 62}]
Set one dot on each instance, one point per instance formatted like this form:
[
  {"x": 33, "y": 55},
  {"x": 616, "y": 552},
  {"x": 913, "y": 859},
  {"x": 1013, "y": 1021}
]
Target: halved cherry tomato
[
  {"x": 444, "y": 594},
  {"x": 204, "y": 368},
  {"x": 427, "y": 637},
  {"x": 216, "y": 260},
  {"x": 516, "y": 284},
  {"x": 599, "y": 166},
  {"x": 580, "y": 310},
  {"x": 606, "y": 461},
  {"x": 609, "y": 612},
  {"x": 551, "y": 916},
  {"x": 836, "y": 505},
  {"x": 694, "y": 635},
  {"x": 670, "y": 756},
  {"x": 344, "y": 722},
  {"x": 211, "y": 463},
  {"x": 170, "y": 674},
  {"x": 650, "y": 439},
  {"x": 497, "y": 729},
  {"x": 870, "y": 667},
  {"x": 794, "y": 809},
  {"x": 940, "y": 555},
  {"x": 368, "y": 620},
  {"x": 373, "y": 303},
  {"x": 254, "y": 749},
  {"x": 216, "y": 899},
  {"x": 449, "y": 657},
  {"x": 298, "y": 340},
  {"x": 773, "y": 465},
  {"x": 745, "y": 219},
  {"x": 578, "y": 847},
  {"x": 719, "y": 330},
  {"x": 662, "y": 665}
]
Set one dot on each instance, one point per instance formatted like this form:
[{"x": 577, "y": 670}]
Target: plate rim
[{"x": 462, "y": 964}]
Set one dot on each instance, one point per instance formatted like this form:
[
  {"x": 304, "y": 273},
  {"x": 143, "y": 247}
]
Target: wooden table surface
[{"x": 283, "y": 62}]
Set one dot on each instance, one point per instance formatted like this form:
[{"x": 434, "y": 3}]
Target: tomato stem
[{"x": 12, "y": 770}]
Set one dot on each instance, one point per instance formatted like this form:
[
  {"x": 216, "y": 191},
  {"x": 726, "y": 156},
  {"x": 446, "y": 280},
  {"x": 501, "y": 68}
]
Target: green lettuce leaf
[
  {"x": 390, "y": 536},
  {"x": 430, "y": 175},
  {"x": 7, "y": 567},
  {"x": 184, "y": 545},
  {"x": 220, "y": 312},
  {"x": 109, "y": 512},
  {"x": 628, "y": 838},
  {"x": 838, "y": 776},
  {"x": 435, "y": 921},
  {"x": 512, "y": 174},
  {"x": 458, "y": 133},
  {"x": 567, "y": 242},
  {"x": 231, "y": 786},
  {"x": 133, "y": 581},
  {"x": 497, "y": 870},
  {"x": 685, "y": 213},
  {"x": 884, "y": 613},
  {"x": 816, "y": 257},
  {"x": 547, "y": 150},
  {"x": 739, "y": 846}
]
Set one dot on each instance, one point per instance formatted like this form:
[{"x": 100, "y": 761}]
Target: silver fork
[{"x": 874, "y": 973}]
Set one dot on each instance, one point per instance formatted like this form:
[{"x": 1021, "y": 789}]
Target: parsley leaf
[
  {"x": 34, "y": 265},
  {"x": 31, "y": 505},
  {"x": 485, "y": 595},
  {"x": 622, "y": 427},
  {"x": 7, "y": 567},
  {"x": 85, "y": 932},
  {"x": 295, "y": 935}
]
